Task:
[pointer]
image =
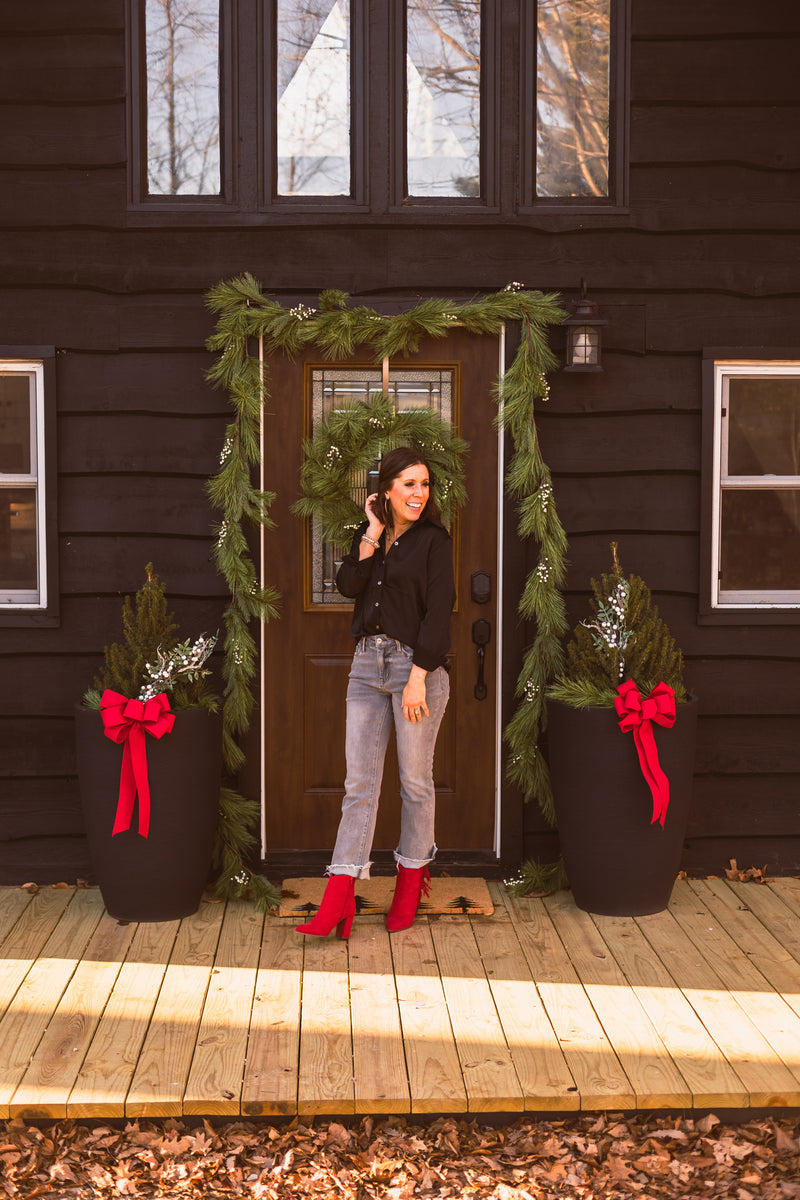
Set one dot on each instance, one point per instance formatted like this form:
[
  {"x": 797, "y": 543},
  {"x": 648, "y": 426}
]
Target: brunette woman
[{"x": 400, "y": 572}]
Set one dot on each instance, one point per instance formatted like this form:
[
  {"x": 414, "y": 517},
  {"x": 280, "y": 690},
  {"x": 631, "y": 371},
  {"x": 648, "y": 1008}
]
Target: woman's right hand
[{"x": 375, "y": 526}]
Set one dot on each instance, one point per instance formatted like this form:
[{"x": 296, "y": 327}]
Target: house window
[
  {"x": 368, "y": 107},
  {"x": 756, "y": 491},
  {"x": 443, "y": 97},
  {"x": 23, "y": 550},
  {"x": 182, "y": 50}
]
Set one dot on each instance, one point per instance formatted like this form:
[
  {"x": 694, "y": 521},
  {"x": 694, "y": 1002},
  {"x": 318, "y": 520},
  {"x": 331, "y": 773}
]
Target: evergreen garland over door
[{"x": 308, "y": 651}]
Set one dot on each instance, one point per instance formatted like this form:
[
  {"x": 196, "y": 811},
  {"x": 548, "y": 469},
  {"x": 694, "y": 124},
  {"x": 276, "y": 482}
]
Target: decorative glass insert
[
  {"x": 443, "y": 105},
  {"x": 313, "y": 118},
  {"x": 336, "y": 388},
  {"x": 573, "y": 98},
  {"x": 182, "y": 41},
  {"x": 21, "y": 485}
]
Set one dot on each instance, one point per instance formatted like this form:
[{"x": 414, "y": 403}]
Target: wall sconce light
[{"x": 584, "y": 337}]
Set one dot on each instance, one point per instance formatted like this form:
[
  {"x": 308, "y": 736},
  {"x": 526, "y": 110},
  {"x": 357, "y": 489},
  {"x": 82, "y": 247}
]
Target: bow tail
[
  {"x": 132, "y": 780},
  {"x": 651, "y": 769}
]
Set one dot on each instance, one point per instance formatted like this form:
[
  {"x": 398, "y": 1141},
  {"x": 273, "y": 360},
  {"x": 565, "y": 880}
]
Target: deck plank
[
  {"x": 697, "y": 1056},
  {"x": 768, "y": 1011},
  {"x": 214, "y": 1086},
  {"x": 774, "y": 906},
  {"x": 40, "y": 992},
  {"x": 434, "y": 1069},
  {"x": 379, "y": 1063},
  {"x": 45, "y": 1086},
  {"x": 642, "y": 1053},
  {"x": 13, "y": 902},
  {"x": 105, "y": 1076},
  {"x": 767, "y": 1080},
  {"x": 486, "y": 1064},
  {"x": 270, "y": 1078},
  {"x": 600, "y": 1079},
  {"x": 159, "y": 1080},
  {"x": 545, "y": 1078},
  {"x": 23, "y": 944},
  {"x": 325, "y": 1077}
]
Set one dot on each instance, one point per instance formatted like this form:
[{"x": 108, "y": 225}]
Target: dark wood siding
[{"x": 707, "y": 255}]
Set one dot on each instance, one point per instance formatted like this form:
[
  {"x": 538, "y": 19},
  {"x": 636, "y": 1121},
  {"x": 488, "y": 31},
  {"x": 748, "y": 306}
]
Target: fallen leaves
[
  {"x": 587, "y": 1157},
  {"x": 750, "y": 875}
]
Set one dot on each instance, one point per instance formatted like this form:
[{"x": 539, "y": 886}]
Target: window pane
[
  {"x": 764, "y": 426},
  {"x": 18, "y": 540},
  {"x": 443, "y": 80},
  {"x": 760, "y": 540},
  {"x": 15, "y": 424},
  {"x": 572, "y": 97},
  {"x": 183, "y": 109},
  {"x": 313, "y": 97}
]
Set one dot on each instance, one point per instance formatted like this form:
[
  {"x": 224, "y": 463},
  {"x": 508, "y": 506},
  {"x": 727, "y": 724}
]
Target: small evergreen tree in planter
[
  {"x": 621, "y": 801},
  {"x": 149, "y": 741}
]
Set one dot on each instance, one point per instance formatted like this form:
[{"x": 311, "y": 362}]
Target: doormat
[{"x": 302, "y": 897}]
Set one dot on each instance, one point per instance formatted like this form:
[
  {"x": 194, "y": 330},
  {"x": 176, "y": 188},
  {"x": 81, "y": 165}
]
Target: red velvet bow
[
  {"x": 638, "y": 714},
  {"x": 128, "y": 721}
]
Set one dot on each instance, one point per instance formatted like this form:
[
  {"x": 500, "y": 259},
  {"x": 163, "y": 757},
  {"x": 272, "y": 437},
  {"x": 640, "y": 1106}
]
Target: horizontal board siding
[{"x": 705, "y": 255}]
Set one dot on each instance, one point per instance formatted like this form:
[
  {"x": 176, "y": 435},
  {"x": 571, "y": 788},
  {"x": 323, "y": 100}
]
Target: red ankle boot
[
  {"x": 405, "y": 902},
  {"x": 338, "y": 908}
]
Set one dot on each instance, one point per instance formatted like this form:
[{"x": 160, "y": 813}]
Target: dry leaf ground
[{"x": 593, "y": 1157}]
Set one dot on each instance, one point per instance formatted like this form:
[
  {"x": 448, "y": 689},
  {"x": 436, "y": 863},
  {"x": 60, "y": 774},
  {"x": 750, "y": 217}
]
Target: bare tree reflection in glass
[
  {"x": 443, "y": 81},
  {"x": 313, "y": 116},
  {"x": 573, "y": 97},
  {"x": 183, "y": 106}
]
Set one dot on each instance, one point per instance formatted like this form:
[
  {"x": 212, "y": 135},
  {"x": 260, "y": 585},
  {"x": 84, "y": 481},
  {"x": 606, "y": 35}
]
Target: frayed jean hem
[
  {"x": 414, "y": 864},
  {"x": 349, "y": 869}
]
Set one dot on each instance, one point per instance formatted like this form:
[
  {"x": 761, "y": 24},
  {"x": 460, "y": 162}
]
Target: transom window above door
[{"x": 377, "y": 105}]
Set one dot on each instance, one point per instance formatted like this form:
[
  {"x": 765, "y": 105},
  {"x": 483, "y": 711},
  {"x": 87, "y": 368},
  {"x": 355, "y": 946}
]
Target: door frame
[{"x": 498, "y": 640}]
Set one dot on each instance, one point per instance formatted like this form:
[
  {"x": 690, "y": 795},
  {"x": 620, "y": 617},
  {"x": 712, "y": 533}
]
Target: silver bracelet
[{"x": 371, "y": 541}]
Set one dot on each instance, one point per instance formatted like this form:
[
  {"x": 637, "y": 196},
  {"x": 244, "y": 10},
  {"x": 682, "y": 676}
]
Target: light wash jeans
[{"x": 380, "y": 671}]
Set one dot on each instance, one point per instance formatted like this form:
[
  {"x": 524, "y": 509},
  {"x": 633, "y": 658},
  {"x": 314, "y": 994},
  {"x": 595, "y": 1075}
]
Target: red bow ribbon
[
  {"x": 128, "y": 721},
  {"x": 638, "y": 714}
]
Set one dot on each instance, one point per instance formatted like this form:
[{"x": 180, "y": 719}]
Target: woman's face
[{"x": 409, "y": 494}]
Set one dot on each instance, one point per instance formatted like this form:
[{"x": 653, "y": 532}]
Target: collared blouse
[{"x": 407, "y": 593}]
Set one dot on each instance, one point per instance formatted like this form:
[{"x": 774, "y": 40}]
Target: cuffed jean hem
[
  {"x": 349, "y": 869},
  {"x": 414, "y": 864}
]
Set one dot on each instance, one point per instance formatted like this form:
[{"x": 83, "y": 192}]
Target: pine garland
[{"x": 245, "y": 314}]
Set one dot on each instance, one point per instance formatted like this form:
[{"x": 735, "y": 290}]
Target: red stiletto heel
[
  {"x": 411, "y": 884},
  {"x": 338, "y": 907}
]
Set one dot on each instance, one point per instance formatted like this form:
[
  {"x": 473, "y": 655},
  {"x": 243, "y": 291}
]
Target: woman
[{"x": 400, "y": 571}]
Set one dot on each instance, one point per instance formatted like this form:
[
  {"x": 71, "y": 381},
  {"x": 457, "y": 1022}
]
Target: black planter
[
  {"x": 618, "y": 863},
  {"x": 160, "y": 877}
]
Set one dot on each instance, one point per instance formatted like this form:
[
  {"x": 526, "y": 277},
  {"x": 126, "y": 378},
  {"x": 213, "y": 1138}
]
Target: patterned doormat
[{"x": 301, "y": 897}]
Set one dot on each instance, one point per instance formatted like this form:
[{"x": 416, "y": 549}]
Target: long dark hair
[{"x": 392, "y": 465}]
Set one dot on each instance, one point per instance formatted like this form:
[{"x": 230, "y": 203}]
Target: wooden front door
[{"x": 308, "y": 651}]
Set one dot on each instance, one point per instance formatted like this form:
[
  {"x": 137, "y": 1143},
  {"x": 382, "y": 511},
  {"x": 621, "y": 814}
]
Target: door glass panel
[
  {"x": 183, "y": 109},
  {"x": 16, "y": 424},
  {"x": 336, "y": 388},
  {"x": 764, "y": 426},
  {"x": 313, "y": 97},
  {"x": 572, "y": 97},
  {"x": 443, "y": 82}
]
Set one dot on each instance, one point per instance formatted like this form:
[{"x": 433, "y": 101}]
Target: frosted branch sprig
[
  {"x": 610, "y": 631},
  {"x": 186, "y": 660}
]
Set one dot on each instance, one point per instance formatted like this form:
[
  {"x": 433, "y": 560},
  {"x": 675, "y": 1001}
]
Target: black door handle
[{"x": 481, "y": 633}]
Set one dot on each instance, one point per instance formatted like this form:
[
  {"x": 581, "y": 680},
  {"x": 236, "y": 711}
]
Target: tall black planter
[
  {"x": 160, "y": 877},
  {"x": 617, "y": 862}
]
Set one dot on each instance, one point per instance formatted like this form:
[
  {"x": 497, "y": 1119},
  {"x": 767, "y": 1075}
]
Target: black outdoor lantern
[{"x": 584, "y": 337}]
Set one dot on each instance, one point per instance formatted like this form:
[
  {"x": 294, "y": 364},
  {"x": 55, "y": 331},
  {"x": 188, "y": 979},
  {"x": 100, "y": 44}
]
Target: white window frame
[
  {"x": 724, "y": 371},
  {"x": 13, "y": 599}
]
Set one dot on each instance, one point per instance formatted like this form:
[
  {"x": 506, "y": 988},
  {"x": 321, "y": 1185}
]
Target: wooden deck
[{"x": 539, "y": 1007}]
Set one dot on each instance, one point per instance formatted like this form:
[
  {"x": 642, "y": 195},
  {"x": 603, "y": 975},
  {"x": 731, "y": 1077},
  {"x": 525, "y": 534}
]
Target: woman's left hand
[{"x": 413, "y": 701}]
